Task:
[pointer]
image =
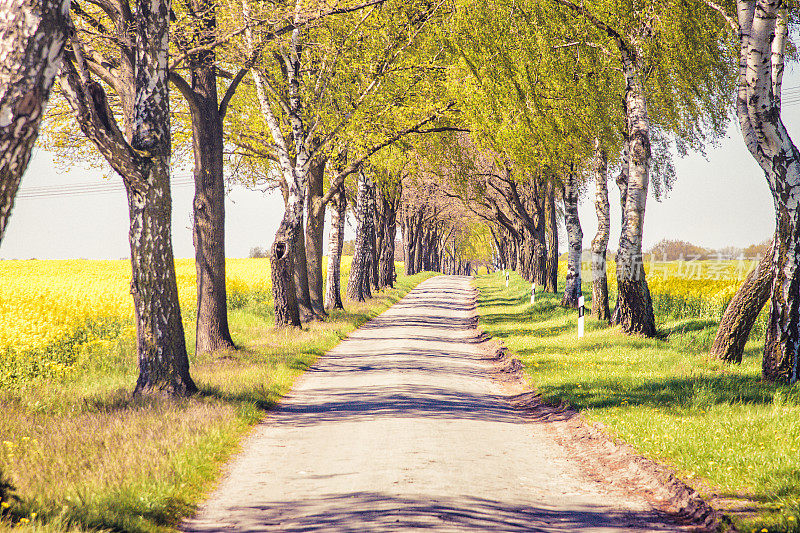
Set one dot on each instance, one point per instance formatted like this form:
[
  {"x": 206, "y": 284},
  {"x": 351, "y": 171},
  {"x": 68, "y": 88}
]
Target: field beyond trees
[
  {"x": 78, "y": 452},
  {"x": 732, "y": 436}
]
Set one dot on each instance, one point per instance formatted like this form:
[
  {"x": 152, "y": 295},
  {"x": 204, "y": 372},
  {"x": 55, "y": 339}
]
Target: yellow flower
[
  {"x": 79, "y": 307},
  {"x": 5, "y": 505},
  {"x": 23, "y": 520}
]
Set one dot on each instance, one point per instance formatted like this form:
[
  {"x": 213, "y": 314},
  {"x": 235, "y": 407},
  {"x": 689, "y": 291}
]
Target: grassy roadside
[
  {"x": 80, "y": 454},
  {"x": 731, "y": 436}
]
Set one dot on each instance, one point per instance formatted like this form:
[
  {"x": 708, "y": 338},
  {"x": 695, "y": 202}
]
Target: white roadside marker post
[
  {"x": 506, "y": 279},
  {"x": 533, "y": 292},
  {"x": 580, "y": 316}
]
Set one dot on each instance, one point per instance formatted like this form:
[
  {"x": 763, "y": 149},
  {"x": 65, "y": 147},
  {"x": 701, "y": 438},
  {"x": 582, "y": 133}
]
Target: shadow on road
[
  {"x": 368, "y": 512},
  {"x": 402, "y": 401}
]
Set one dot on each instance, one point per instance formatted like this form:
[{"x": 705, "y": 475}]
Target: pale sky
[{"x": 718, "y": 202}]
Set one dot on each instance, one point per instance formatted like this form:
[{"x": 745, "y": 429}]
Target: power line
[{"x": 87, "y": 188}]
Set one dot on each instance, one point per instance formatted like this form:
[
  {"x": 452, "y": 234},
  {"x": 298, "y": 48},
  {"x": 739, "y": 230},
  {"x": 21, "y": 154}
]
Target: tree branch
[
  {"x": 88, "y": 100},
  {"x": 273, "y": 34},
  {"x": 733, "y": 23},
  {"x": 355, "y": 165},
  {"x": 231, "y": 90},
  {"x": 186, "y": 91}
]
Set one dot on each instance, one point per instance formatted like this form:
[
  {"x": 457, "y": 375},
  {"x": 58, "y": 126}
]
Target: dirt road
[{"x": 401, "y": 427}]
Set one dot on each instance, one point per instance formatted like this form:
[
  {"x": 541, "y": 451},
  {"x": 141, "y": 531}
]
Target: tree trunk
[
  {"x": 31, "y": 48},
  {"x": 287, "y": 312},
  {"x": 419, "y": 250},
  {"x": 525, "y": 251},
  {"x": 144, "y": 164},
  {"x": 551, "y": 266},
  {"x": 370, "y": 279},
  {"x": 763, "y": 45},
  {"x": 572, "y": 285},
  {"x": 365, "y": 273},
  {"x": 633, "y": 296},
  {"x": 513, "y": 253},
  {"x": 314, "y": 237},
  {"x": 622, "y": 184},
  {"x": 408, "y": 248},
  {"x": 743, "y": 309},
  {"x": 333, "y": 293},
  {"x": 380, "y": 235},
  {"x": 358, "y": 283},
  {"x": 375, "y": 237},
  {"x": 387, "y": 272},
  {"x": 782, "y": 339},
  {"x": 410, "y": 236},
  {"x": 301, "y": 288},
  {"x": 163, "y": 362},
  {"x": 209, "y": 199},
  {"x": 600, "y": 308},
  {"x": 540, "y": 247}
]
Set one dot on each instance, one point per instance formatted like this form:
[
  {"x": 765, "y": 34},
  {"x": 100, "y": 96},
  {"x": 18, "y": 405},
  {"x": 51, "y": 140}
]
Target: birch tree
[
  {"x": 551, "y": 265},
  {"x": 139, "y": 151},
  {"x": 600, "y": 308},
  {"x": 572, "y": 283},
  {"x": 31, "y": 49},
  {"x": 763, "y": 35},
  {"x": 646, "y": 42},
  {"x": 333, "y": 290},
  {"x": 311, "y": 94},
  {"x": 358, "y": 285}
]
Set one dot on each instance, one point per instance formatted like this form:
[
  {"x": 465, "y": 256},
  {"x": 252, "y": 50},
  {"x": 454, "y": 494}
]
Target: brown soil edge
[{"x": 601, "y": 456}]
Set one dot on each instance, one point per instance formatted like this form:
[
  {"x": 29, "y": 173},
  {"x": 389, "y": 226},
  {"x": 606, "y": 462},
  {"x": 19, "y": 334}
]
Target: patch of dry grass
[{"x": 81, "y": 454}]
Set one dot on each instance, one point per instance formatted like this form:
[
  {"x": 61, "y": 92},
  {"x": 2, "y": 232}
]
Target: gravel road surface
[{"x": 403, "y": 427}]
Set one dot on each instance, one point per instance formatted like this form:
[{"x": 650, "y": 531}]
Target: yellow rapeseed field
[
  {"x": 683, "y": 289},
  {"x": 52, "y": 312},
  {"x": 694, "y": 289}
]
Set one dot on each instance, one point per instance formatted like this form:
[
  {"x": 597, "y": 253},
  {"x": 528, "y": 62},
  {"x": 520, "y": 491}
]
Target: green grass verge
[
  {"x": 733, "y": 437},
  {"x": 80, "y": 454}
]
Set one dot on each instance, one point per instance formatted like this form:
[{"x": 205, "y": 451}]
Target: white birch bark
[
  {"x": 572, "y": 284},
  {"x": 333, "y": 295},
  {"x": 358, "y": 285},
  {"x": 600, "y": 242},
  {"x": 634, "y": 307},
  {"x": 32, "y": 36},
  {"x": 762, "y": 34}
]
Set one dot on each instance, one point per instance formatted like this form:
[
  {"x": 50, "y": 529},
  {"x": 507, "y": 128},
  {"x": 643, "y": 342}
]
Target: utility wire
[{"x": 87, "y": 188}]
